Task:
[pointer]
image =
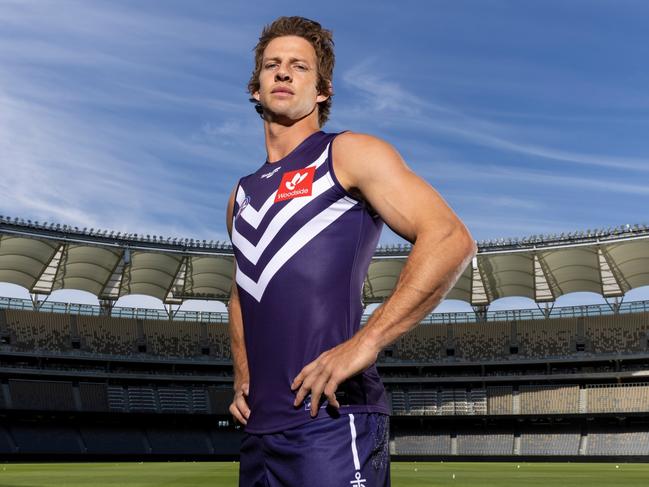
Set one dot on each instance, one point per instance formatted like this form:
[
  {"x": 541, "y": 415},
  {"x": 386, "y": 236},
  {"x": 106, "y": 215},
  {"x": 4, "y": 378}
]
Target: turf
[{"x": 403, "y": 474}]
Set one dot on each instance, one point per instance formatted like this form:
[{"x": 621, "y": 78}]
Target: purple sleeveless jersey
[{"x": 302, "y": 246}]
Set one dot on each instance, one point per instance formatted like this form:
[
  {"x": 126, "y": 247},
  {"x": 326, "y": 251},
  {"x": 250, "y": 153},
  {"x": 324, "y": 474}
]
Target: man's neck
[{"x": 282, "y": 139}]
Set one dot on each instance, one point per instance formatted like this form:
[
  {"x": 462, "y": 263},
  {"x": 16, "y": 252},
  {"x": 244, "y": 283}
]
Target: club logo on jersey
[
  {"x": 269, "y": 175},
  {"x": 295, "y": 184},
  {"x": 243, "y": 206},
  {"x": 358, "y": 480}
]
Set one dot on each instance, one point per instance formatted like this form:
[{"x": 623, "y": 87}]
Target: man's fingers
[
  {"x": 242, "y": 406},
  {"x": 307, "y": 383},
  {"x": 316, "y": 393},
  {"x": 239, "y": 407},
  {"x": 303, "y": 373},
  {"x": 297, "y": 381},
  {"x": 236, "y": 414},
  {"x": 301, "y": 393},
  {"x": 330, "y": 393}
]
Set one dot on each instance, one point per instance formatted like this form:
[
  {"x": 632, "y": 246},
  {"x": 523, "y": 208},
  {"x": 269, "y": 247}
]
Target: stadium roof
[{"x": 47, "y": 257}]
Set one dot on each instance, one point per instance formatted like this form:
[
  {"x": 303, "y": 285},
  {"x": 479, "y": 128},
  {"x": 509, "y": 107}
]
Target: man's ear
[
  {"x": 255, "y": 95},
  {"x": 323, "y": 96}
]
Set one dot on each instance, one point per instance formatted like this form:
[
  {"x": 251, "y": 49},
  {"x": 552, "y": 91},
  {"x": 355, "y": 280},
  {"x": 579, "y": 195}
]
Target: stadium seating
[
  {"x": 424, "y": 343},
  {"x": 34, "y": 331},
  {"x": 550, "y": 440},
  {"x": 40, "y": 437},
  {"x": 118, "y": 366},
  {"x": 398, "y": 402},
  {"x": 180, "y": 440},
  {"x": 485, "y": 442},
  {"x": 422, "y": 402},
  {"x": 41, "y": 395},
  {"x": 621, "y": 334},
  {"x": 547, "y": 338},
  {"x": 482, "y": 341},
  {"x": 618, "y": 398},
  {"x": 94, "y": 396},
  {"x": 471, "y": 342},
  {"x": 172, "y": 338},
  {"x": 100, "y": 334},
  {"x": 219, "y": 341},
  {"x": 114, "y": 439},
  {"x": 613, "y": 441},
  {"x": 7, "y": 444},
  {"x": 478, "y": 398},
  {"x": 499, "y": 400},
  {"x": 422, "y": 443},
  {"x": 549, "y": 399}
]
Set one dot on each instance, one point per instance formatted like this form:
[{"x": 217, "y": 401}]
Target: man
[{"x": 304, "y": 228}]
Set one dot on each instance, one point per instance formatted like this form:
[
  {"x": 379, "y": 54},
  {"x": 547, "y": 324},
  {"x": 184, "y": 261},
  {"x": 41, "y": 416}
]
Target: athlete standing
[{"x": 304, "y": 228}]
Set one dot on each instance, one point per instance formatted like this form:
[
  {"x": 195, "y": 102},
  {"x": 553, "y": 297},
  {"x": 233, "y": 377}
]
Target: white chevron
[
  {"x": 253, "y": 252},
  {"x": 254, "y": 217},
  {"x": 316, "y": 225}
]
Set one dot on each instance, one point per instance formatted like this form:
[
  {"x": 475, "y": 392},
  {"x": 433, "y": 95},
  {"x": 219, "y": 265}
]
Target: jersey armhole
[
  {"x": 330, "y": 163},
  {"x": 340, "y": 187},
  {"x": 235, "y": 210}
]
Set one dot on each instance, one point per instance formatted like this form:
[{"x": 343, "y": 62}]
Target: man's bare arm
[
  {"x": 239, "y": 407},
  {"x": 442, "y": 249},
  {"x": 442, "y": 245}
]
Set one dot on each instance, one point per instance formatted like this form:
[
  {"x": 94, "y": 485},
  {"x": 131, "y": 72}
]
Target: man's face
[{"x": 288, "y": 79}]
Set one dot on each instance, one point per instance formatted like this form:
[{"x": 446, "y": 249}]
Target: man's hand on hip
[
  {"x": 239, "y": 407},
  {"x": 330, "y": 369}
]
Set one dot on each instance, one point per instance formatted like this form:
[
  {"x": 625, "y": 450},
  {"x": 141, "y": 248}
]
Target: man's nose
[{"x": 282, "y": 75}]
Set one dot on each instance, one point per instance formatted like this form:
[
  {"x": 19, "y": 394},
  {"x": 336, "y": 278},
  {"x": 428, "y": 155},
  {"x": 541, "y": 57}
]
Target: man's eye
[
  {"x": 300, "y": 67},
  {"x": 270, "y": 65}
]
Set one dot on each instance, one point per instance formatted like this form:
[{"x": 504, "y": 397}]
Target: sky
[{"x": 527, "y": 117}]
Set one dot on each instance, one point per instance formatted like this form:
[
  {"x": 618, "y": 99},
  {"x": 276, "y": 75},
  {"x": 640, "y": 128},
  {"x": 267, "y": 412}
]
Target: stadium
[{"x": 100, "y": 382}]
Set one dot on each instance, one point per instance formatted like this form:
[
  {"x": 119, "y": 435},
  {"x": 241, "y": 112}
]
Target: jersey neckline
[{"x": 294, "y": 151}]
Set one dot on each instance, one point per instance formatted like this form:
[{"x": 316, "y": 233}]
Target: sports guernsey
[{"x": 302, "y": 247}]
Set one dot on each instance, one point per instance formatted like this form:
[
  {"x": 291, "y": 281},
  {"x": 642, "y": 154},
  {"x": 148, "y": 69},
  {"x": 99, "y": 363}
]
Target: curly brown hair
[{"x": 322, "y": 41}]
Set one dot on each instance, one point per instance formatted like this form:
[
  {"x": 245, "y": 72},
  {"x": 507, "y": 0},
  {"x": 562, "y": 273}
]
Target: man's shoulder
[
  {"x": 356, "y": 141},
  {"x": 356, "y": 153}
]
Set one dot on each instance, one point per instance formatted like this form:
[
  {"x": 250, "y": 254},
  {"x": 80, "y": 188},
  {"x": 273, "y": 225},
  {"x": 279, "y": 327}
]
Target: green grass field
[{"x": 403, "y": 474}]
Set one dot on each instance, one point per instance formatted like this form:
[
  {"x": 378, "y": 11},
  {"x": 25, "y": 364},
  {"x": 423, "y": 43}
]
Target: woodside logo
[{"x": 295, "y": 184}]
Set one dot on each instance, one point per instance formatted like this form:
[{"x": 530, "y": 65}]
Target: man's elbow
[
  {"x": 461, "y": 240},
  {"x": 457, "y": 237},
  {"x": 472, "y": 246},
  {"x": 466, "y": 241}
]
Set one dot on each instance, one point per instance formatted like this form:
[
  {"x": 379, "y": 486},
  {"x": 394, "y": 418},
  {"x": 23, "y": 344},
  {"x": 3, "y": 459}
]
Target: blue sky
[{"x": 527, "y": 117}]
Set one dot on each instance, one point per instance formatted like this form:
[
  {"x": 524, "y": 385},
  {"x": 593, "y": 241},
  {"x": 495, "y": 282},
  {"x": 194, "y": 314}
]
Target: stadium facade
[{"x": 81, "y": 381}]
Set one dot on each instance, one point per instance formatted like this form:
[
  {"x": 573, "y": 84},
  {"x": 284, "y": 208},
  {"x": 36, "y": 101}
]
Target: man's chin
[{"x": 285, "y": 118}]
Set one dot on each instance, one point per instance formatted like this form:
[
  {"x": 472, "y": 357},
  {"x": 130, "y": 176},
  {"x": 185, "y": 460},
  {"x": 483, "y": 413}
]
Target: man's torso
[{"x": 302, "y": 247}]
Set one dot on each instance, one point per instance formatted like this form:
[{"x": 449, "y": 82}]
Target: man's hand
[
  {"x": 239, "y": 407},
  {"x": 330, "y": 369}
]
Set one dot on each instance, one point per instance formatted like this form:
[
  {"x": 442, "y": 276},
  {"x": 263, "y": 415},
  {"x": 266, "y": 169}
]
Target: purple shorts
[{"x": 350, "y": 450}]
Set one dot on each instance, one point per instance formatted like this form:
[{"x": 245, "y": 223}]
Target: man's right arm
[{"x": 239, "y": 407}]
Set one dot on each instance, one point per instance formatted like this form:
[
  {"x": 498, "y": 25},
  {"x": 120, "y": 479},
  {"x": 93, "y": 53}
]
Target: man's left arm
[{"x": 442, "y": 248}]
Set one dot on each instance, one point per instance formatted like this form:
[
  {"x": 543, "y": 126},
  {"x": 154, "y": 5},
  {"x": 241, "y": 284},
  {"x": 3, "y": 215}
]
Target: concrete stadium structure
[{"x": 95, "y": 381}]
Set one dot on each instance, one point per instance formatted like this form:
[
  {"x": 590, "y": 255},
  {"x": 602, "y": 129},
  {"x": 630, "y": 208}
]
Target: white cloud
[
  {"x": 386, "y": 102},
  {"x": 88, "y": 117}
]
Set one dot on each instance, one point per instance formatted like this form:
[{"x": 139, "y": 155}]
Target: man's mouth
[{"x": 282, "y": 91}]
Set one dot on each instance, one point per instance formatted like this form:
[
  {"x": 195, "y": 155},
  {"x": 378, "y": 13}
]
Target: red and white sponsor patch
[{"x": 295, "y": 184}]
